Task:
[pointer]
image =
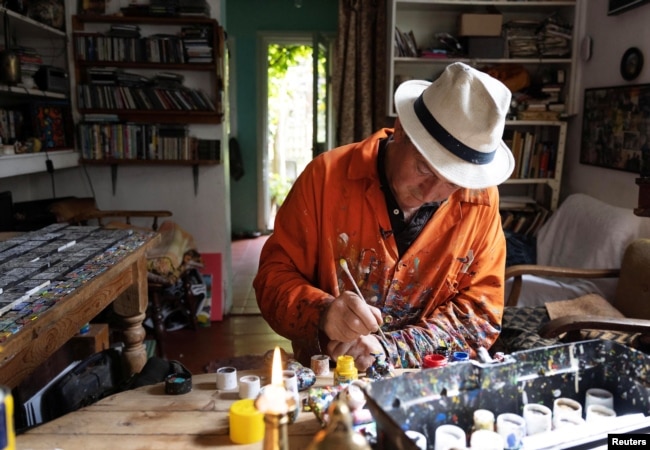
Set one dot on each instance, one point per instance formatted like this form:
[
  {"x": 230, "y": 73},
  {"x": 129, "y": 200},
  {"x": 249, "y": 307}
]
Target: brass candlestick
[{"x": 276, "y": 436}]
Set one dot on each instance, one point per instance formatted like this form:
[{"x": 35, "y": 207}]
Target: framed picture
[
  {"x": 52, "y": 125},
  {"x": 619, "y": 6},
  {"x": 616, "y": 127}
]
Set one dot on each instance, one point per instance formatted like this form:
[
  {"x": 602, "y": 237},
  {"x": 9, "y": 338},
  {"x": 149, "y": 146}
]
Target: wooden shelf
[
  {"x": 149, "y": 65},
  {"x": 144, "y": 20},
  {"x": 27, "y": 163},
  {"x": 158, "y": 116},
  {"x": 149, "y": 162}
]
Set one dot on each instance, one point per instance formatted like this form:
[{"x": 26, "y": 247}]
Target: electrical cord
[{"x": 49, "y": 165}]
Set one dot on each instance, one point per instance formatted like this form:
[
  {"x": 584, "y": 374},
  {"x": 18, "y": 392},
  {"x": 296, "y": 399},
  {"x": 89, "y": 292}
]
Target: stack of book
[
  {"x": 197, "y": 44},
  {"x": 167, "y": 8},
  {"x": 194, "y": 8},
  {"x": 30, "y": 62}
]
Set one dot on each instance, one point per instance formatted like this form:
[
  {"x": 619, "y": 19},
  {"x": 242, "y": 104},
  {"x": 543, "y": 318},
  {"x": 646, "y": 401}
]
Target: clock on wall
[{"x": 631, "y": 63}]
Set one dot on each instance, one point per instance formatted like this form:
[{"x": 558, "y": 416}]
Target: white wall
[{"x": 611, "y": 36}]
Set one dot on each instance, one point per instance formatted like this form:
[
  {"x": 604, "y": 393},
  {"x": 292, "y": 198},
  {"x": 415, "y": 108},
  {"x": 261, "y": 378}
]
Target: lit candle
[{"x": 274, "y": 398}]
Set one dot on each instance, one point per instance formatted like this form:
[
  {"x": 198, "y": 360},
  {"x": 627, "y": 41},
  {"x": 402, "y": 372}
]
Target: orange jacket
[{"x": 445, "y": 291}]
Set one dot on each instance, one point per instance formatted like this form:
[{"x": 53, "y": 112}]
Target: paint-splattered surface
[
  {"x": 40, "y": 268},
  {"x": 422, "y": 401}
]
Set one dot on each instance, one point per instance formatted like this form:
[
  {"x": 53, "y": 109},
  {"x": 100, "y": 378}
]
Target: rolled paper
[
  {"x": 320, "y": 364},
  {"x": 226, "y": 378},
  {"x": 249, "y": 386},
  {"x": 246, "y": 422}
]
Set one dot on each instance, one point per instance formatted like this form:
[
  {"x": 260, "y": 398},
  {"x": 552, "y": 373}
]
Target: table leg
[{"x": 131, "y": 306}]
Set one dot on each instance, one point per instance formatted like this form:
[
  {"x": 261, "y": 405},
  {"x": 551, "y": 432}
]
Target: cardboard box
[
  {"x": 480, "y": 24},
  {"x": 422, "y": 401}
]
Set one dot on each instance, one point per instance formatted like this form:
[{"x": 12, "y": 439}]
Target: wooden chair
[
  {"x": 84, "y": 210},
  {"x": 629, "y": 321}
]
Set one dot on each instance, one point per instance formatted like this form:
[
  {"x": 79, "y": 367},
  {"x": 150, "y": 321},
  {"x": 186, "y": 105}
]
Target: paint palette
[{"x": 422, "y": 401}]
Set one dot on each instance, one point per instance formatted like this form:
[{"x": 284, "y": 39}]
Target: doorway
[{"x": 296, "y": 121}]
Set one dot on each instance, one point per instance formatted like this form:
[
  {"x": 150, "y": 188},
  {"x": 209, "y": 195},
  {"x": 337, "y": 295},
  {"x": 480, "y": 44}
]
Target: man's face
[{"x": 411, "y": 178}]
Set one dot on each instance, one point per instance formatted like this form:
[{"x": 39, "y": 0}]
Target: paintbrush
[{"x": 344, "y": 266}]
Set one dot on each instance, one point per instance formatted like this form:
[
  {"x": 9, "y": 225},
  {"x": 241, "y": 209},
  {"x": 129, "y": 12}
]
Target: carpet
[{"x": 247, "y": 362}]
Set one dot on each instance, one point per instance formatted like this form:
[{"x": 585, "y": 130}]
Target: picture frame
[
  {"x": 52, "y": 125},
  {"x": 616, "y": 127}
]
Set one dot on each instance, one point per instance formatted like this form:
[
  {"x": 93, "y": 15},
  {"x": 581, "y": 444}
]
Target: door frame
[{"x": 264, "y": 39}]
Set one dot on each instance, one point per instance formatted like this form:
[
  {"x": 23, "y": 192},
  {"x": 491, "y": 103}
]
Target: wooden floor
[{"x": 242, "y": 332}]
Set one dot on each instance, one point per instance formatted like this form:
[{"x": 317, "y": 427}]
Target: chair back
[{"x": 633, "y": 290}]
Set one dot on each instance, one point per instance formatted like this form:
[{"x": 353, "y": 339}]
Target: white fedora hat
[{"x": 457, "y": 124}]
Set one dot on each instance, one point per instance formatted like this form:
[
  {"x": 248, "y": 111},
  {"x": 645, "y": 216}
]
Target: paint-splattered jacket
[{"x": 446, "y": 290}]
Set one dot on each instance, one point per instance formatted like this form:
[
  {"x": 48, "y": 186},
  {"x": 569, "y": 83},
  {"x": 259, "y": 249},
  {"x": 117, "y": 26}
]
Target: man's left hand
[{"x": 363, "y": 350}]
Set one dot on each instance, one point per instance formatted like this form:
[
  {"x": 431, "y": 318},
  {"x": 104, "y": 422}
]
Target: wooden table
[
  {"x": 92, "y": 268},
  {"x": 148, "y": 418}
]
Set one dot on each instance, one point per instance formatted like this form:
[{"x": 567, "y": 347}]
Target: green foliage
[
  {"x": 280, "y": 58},
  {"x": 279, "y": 187}
]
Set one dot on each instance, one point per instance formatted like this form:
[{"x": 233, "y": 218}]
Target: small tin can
[{"x": 7, "y": 432}]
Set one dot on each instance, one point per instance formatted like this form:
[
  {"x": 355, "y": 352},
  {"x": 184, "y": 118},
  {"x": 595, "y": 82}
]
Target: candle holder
[
  {"x": 276, "y": 419},
  {"x": 276, "y": 436}
]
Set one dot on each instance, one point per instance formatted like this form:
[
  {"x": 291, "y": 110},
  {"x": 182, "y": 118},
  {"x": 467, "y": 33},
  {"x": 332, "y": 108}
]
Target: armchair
[
  {"x": 626, "y": 319},
  {"x": 579, "y": 252}
]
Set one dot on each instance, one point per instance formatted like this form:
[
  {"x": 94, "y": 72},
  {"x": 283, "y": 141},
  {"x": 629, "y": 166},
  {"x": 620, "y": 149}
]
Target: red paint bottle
[{"x": 434, "y": 360}]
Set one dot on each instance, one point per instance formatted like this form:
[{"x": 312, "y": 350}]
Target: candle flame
[{"x": 276, "y": 369}]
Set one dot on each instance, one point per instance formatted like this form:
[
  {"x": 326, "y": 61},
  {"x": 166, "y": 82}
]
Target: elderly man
[{"x": 412, "y": 213}]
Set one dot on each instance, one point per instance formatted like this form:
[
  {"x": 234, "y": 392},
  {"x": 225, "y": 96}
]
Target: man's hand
[
  {"x": 361, "y": 350},
  {"x": 348, "y": 317}
]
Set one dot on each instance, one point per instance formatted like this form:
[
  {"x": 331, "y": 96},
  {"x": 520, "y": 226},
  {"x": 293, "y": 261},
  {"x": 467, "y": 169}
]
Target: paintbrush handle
[{"x": 358, "y": 291}]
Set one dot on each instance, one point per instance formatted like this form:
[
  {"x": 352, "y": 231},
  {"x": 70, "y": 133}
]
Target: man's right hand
[{"x": 348, "y": 317}]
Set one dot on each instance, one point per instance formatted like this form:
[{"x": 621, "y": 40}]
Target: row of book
[
  {"x": 119, "y": 97},
  {"x": 158, "y": 48},
  {"x": 525, "y": 222},
  {"x": 11, "y": 125},
  {"x": 534, "y": 157},
  {"x": 405, "y": 44},
  {"x": 111, "y": 139}
]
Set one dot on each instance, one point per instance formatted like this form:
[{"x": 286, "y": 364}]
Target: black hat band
[{"x": 441, "y": 135}]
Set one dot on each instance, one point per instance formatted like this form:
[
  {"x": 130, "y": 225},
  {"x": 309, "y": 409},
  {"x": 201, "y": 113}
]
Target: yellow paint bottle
[{"x": 345, "y": 371}]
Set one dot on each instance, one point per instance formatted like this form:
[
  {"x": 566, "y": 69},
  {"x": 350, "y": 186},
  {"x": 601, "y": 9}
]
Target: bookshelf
[
  {"x": 30, "y": 133},
  {"x": 142, "y": 81},
  {"x": 509, "y": 39}
]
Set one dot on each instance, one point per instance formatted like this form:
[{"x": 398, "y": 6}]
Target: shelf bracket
[
  {"x": 195, "y": 175},
  {"x": 114, "y": 177}
]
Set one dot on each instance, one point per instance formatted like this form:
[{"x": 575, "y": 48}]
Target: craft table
[
  {"x": 55, "y": 280},
  {"x": 148, "y": 418}
]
